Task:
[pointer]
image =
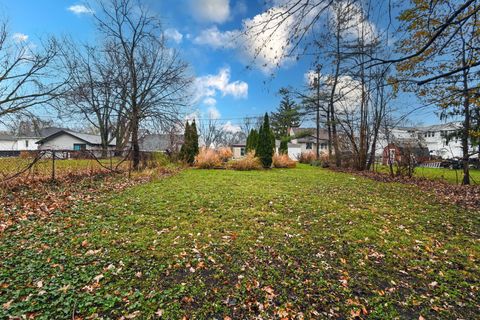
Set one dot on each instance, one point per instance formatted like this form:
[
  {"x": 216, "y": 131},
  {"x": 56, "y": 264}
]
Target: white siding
[
  {"x": 7, "y": 145},
  {"x": 61, "y": 142}
]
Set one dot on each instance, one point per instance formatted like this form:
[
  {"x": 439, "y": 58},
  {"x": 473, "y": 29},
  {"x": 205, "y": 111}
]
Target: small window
[
  {"x": 26, "y": 143},
  {"x": 433, "y": 134},
  {"x": 309, "y": 145},
  {"x": 79, "y": 146},
  {"x": 323, "y": 146},
  {"x": 242, "y": 151}
]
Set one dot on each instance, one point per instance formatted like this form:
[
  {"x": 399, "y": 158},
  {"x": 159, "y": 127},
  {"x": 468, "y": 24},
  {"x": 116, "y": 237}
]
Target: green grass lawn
[
  {"x": 212, "y": 244},
  {"x": 449, "y": 175}
]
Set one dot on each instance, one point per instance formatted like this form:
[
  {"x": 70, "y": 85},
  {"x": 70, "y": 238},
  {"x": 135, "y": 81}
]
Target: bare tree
[
  {"x": 28, "y": 74},
  {"x": 94, "y": 90},
  {"x": 156, "y": 77},
  {"x": 210, "y": 131}
]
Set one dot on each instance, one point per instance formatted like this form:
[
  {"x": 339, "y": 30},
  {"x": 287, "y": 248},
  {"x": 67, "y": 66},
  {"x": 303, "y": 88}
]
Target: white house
[
  {"x": 433, "y": 137},
  {"x": 72, "y": 141},
  {"x": 305, "y": 140},
  {"x": 14, "y": 143}
]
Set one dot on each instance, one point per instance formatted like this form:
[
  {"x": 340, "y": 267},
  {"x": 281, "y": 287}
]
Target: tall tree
[
  {"x": 450, "y": 63},
  {"x": 28, "y": 73},
  {"x": 266, "y": 143},
  {"x": 286, "y": 116},
  {"x": 252, "y": 141},
  {"x": 156, "y": 78}
]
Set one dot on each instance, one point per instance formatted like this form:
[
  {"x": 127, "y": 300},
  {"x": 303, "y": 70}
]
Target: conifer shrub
[
  {"x": 283, "y": 161},
  {"x": 265, "y": 144}
]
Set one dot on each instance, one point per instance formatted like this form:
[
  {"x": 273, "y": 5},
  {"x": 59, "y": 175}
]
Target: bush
[
  {"x": 307, "y": 157},
  {"x": 283, "y": 161},
  {"x": 160, "y": 159},
  {"x": 207, "y": 159},
  {"x": 249, "y": 162},
  {"x": 225, "y": 154}
]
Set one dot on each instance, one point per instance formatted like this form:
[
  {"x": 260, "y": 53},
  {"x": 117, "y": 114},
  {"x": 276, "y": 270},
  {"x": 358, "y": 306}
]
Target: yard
[
  {"x": 203, "y": 244},
  {"x": 442, "y": 174}
]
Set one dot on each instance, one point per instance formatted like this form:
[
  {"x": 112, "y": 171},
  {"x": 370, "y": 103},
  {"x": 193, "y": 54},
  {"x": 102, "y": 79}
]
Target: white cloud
[
  {"x": 79, "y": 9},
  {"x": 19, "y": 37},
  {"x": 213, "y": 113},
  {"x": 217, "y": 39},
  {"x": 229, "y": 127},
  {"x": 209, "y": 101},
  {"x": 173, "y": 34},
  {"x": 217, "y": 11},
  {"x": 208, "y": 86},
  {"x": 348, "y": 90},
  {"x": 265, "y": 49}
]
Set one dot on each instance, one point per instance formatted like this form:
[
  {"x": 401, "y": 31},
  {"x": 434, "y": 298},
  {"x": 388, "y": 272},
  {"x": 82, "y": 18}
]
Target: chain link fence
[{"x": 52, "y": 165}]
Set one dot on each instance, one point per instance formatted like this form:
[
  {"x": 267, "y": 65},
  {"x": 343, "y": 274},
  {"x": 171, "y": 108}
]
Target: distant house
[
  {"x": 72, "y": 141},
  {"x": 161, "y": 142},
  {"x": 239, "y": 150},
  {"x": 305, "y": 140},
  {"x": 396, "y": 152},
  {"x": 439, "y": 139},
  {"x": 17, "y": 143}
]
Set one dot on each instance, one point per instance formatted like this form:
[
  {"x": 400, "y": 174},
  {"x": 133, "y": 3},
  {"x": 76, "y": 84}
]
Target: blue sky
[{"x": 198, "y": 29}]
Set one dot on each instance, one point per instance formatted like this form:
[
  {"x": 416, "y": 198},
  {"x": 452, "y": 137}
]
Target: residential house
[
  {"x": 438, "y": 139},
  {"x": 305, "y": 140},
  {"x": 239, "y": 150},
  {"x": 161, "y": 142},
  {"x": 68, "y": 140},
  {"x": 397, "y": 151}
]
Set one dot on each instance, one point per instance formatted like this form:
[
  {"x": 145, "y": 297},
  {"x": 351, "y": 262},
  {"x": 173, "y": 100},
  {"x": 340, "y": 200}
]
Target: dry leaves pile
[
  {"x": 465, "y": 196},
  {"x": 39, "y": 198}
]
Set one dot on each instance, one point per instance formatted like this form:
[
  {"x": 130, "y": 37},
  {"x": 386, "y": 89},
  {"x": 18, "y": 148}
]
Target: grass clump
[
  {"x": 249, "y": 162},
  {"x": 283, "y": 161},
  {"x": 307, "y": 157},
  {"x": 207, "y": 159}
]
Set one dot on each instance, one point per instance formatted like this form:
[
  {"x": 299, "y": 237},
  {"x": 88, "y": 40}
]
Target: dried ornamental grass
[
  {"x": 283, "y": 161},
  {"x": 249, "y": 162},
  {"x": 207, "y": 159}
]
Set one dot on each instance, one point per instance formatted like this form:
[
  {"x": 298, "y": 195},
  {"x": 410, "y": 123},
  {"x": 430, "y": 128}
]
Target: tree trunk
[{"x": 135, "y": 142}]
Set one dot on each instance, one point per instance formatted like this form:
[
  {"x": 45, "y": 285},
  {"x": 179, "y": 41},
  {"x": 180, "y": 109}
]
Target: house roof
[
  {"x": 159, "y": 142},
  {"x": 90, "y": 139},
  {"x": 309, "y": 132}
]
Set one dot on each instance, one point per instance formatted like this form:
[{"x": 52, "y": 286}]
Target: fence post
[
  {"x": 111, "y": 164},
  {"x": 53, "y": 165}
]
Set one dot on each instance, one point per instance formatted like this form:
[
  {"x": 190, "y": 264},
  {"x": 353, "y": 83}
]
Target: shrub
[
  {"x": 207, "y": 159},
  {"x": 283, "y": 161},
  {"x": 266, "y": 143},
  {"x": 225, "y": 154},
  {"x": 249, "y": 162},
  {"x": 160, "y": 159},
  {"x": 307, "y": 157},
  {"x": 27, "y": 155}
]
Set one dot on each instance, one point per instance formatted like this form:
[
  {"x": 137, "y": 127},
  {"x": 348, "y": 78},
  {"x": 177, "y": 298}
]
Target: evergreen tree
[
  {"x": 185, "y": 146},
  {"x": 252, "y": 140},
  {"x": 283, "y": 146},
  {"x": 194, "y": 141},
  {"x": 266, "y": 143},
  {"x": 287, "y": 115}
]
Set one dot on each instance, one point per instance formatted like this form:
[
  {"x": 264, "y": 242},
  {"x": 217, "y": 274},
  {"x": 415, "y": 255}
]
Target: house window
[
  {"x": 323, "y": 146},
  {"x": 79, "y": 146},
  {"x": 309, "y": 146},
  {"x": 433, "y": 134},
  {"x": 242, "y": 151},
  {"x": 26, "y": 143}
]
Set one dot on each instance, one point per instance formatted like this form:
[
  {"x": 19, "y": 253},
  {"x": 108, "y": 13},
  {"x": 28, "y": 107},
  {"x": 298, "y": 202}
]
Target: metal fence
[{"x": 52, "y": 165}]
